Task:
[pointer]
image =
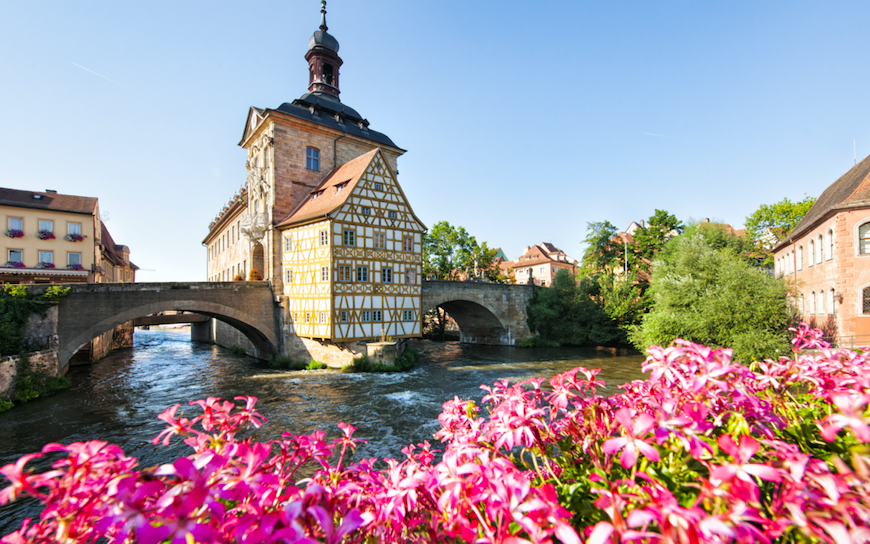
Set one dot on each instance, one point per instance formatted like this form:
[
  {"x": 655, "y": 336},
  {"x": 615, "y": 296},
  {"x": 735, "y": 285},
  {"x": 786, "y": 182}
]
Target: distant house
[
  {"x": 827, "y": 259},
  {"x": 540, "y": 264}
]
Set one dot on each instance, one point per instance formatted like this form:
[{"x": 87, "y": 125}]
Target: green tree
[
  {"x": 571, "y": 313},
  {"x": 781, "y": 218},
  {"x": 447, "y": 251},
  {"x": 604, "y": 249},
  {"x": 652, "y": 238},
  {"x": 713, "y": 296},
  {"x": 623, "y": 300}
]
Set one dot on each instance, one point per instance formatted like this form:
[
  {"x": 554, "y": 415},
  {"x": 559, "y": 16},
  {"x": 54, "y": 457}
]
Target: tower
[{"x": 323, "y": 59}]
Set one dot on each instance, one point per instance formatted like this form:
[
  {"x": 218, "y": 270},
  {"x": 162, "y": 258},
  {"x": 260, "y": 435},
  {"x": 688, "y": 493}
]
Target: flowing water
[{"x": 119, "y": 398}]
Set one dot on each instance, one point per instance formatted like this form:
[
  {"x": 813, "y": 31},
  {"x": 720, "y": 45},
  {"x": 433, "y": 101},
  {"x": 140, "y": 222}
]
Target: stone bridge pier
[{"x": 487, "y": 313}]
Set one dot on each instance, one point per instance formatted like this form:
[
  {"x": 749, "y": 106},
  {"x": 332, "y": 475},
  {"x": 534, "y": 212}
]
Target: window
[
  {"x": 73, "y": 259},
  {"x": 74, "y": 228},
  {"x": 362, "y": 273},
  {"x": 308, "y": 317},
  {"x": 323, "y": 317},
  {"x": 312, "y": 159},
  {"x": 800, "y": 258},
  {"x": 380, "y": 240},
  {"x": 366, "y": 210},
  {"x": 365, "y": 316},
  {"x": 821, "y": 303},
  {"x": 46, "y": 257},
  {"x": 343, "y": 316},
  {"x": 349, "y": 238},
  {"x": 866, "y": 297},
  {"x": 376, "y": 315},
  {"x": 407, "y": 315},
  {"x": 813, "y": 302},
  {"x": 410, "y": 277},
  {"x": 340, "y": 186},
  {"x": 289, "y": 275},
  {"x": 379, "y": 187},
  {"x": 386, "y": 275},
  {"x": 15, "y": 256},
  {"x": 344, "y": 273},
  {"x": 324, "y": 273},
  {"x": 47, "y": 226},
  {"x": 391, "y": 215},
  {"x": 864, "y": 239},
  {"x": 830, "y": 244},
  {"x": 812, "y": 255},
  {"x": 16, "y": 223},
  {"x": 407, "y": 244},
  {"x": 821, "y": 250},
  {"x": 831, "y": 306},
  {"x": 324, "y": 238}
]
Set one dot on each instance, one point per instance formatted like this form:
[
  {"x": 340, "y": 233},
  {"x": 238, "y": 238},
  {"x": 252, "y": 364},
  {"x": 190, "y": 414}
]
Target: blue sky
[{"x": 523, "y": 121}]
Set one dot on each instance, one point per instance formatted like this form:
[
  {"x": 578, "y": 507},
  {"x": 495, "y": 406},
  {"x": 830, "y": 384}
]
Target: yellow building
[
  {"x": 226, "y": 249},
  {"x": 49, "y": 237},
  {"x": 352, "y": 256}
]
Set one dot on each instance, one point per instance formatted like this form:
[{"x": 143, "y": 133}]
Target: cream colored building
[
  {"x": 49, "y": 237},
  {"x": 228, "y": 251},
  {"x": 353, "y": 257}
]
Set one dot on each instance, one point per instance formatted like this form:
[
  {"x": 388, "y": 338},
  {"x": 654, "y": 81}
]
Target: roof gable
[{"x": 48, "y": 201}]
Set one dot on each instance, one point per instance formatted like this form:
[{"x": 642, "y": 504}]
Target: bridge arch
[
  {"x": 486, "y": 313},
  {"x": 91, "y": 310}
]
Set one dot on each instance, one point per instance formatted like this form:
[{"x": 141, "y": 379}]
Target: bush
[
  {"x": 238, "y": 350},
  {"x": 286, "y": 363},
  {"x": 33, "y": 383},
  {"x": 714, "y": 296},
  {"x": 704, "y": 451},
  {"x": 238, "y": 277},
  {"x": 404, "y": 362},
  {"x": 538, "y": 342},
  {"x": 254, "y": 275}
]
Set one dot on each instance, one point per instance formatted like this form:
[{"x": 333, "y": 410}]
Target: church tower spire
[{"x": 323, "y": 60}]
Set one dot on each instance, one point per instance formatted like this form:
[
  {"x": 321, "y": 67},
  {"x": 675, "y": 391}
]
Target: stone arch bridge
[{"x": 486, "y": 313}]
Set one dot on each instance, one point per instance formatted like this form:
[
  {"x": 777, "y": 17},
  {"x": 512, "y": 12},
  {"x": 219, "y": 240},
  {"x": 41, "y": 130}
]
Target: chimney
[{"x": 706, "y": 220}]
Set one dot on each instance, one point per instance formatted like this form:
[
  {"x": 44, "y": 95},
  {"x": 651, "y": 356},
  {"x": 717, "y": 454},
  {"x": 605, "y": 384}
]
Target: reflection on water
[{"x": 119, "y": 398}]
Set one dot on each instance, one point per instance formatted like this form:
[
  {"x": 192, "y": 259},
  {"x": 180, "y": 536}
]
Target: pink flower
[
  {"x": 742, "y": 469},
  {"x": 632, "y": 443},
  {"x": 851, "y": 415}
]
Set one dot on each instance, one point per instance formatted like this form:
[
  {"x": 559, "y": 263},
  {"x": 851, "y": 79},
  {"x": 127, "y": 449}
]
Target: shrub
[
  {"x": 704, "y": 451},
  {"x": 238, "y": 350},
  {"x": 254, "y": 275},
  {"x": 238, "y": 277},
  {"x": 404, "y": 362}
]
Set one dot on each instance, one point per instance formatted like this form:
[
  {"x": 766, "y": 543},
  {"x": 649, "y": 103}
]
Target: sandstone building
[
  {"x": 540, "y": 264},
  {"x": 827, "y": 259},
  {"x": 315, "y": 166}
]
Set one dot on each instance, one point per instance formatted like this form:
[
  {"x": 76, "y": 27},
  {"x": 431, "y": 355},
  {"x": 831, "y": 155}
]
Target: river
[{"x": 119, "y": 398}]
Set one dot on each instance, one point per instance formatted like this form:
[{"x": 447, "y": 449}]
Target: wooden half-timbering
[{"x": 374, "y": 253}]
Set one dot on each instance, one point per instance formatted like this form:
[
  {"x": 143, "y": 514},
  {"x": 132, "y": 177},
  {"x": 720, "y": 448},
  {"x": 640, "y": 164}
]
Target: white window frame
[
  {"x": 324, "y": 273},
  {"x": 49, "y": 254},
  {"x": 386, "y": 275},
  {"x": 74, "y": 228},
  {"x": 20, "y": 255},
  {"x": 324, "y": 238},
  {"x": 20, "y": 221},
  {"x": 69, "y": 256}
]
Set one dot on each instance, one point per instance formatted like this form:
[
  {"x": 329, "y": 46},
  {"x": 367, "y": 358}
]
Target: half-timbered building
[{"x": 353, "y": 256}]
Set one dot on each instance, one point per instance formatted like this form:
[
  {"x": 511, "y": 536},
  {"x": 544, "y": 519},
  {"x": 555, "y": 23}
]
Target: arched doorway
[{"x": 258, "y": 261}]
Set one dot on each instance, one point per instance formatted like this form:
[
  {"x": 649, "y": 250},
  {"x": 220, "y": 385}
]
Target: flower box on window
[
  {"x": 45, "y": 235},
  {"x": 14, "y": 264},
  {"x": 14, "y": 233},
  {"x": 44, "y": 265},
  {"x": 73, "y": 237},
  {"x": 74, "y": 267}
]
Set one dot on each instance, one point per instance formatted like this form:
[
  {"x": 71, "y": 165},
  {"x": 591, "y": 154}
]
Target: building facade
[
  {"x": 318, "y": 153},
  {"x": 540, "y": 264},
  {"x": 827, "y": 259}
]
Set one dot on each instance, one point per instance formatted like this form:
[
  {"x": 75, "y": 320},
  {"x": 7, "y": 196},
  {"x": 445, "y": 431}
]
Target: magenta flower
[
  {"x": 851, "y": 415},
  {"x": 634, "y": 431},
  {"x": 742, "y": 469}
]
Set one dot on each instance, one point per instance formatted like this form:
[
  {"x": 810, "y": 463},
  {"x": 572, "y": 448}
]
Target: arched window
[
  {"x": 864, "y": 239},
  {"x": 813, "y": 303},
  {"x": 812, "y": 255},
  {"x": 800, "y": 258},
  {"x": 821, "y": 303},
  {"x": 832, "y": 308},
  {"x": 865, "y": 307},
  {"x": 821, "y": 250},
  {"x": 830, "y": 244}
]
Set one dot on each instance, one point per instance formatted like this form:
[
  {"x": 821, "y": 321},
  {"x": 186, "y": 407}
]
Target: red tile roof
[
  {"x": 326, "y": 197},
  {"x": 48, "y": 201}
]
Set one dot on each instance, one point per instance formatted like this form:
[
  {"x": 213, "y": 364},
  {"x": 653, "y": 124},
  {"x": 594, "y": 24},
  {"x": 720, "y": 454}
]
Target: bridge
[{"x": 486, "y": 313}]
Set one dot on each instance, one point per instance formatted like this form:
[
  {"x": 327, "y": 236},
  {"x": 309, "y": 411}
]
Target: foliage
[
  {"x": 287, "y": 363},
  {"x": 32, "y": 383},
  {"x": 254, "y": 275},
  {"x": 713, "y": 296},
  {"x": 781, "y": 218},
  {"x": 538, "y": 342},
  {"x": 704, "y": 451},
  {"x": 238, "y": 350},
  {"x": 74, "y": 237},
  {"x": 6, "y": 405},
  {"x": 571, "y": 313},
  {"x": 55, "y": 292},
  {"x": 450, "y": 253},
  {"x": 45, "y": 235},
  {"x": 623, "y": 300},
  {"x": 238, "y": 277},
  {"x": 14, "y": 233},
  {"x": 16, "y": 306},
  {"x": 605, "y": 251},
  {"x": 660, "y": 228}
]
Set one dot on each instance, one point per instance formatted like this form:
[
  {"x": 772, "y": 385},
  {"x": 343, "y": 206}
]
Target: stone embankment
[{"x": 9, "y": 367}]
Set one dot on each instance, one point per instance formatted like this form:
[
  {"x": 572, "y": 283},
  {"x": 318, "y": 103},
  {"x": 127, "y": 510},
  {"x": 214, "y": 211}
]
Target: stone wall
[{"x": 47, "y": 360}]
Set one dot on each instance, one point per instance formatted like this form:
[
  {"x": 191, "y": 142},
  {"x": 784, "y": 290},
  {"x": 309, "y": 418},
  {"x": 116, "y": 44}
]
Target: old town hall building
[{"x": 322, "y": 216}]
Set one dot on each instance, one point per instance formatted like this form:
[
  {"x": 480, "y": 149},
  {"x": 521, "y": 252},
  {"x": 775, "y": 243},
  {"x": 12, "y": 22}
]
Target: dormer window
[
  {"x": 340, "y": 187},
  {"x": 312, "y": 159}
]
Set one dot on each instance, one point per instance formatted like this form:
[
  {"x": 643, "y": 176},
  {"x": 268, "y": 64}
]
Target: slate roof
[
  {"x": 852, "y": 190},
  {"x": 328, "y": 197},
  {"x": 48, "y": 201}
]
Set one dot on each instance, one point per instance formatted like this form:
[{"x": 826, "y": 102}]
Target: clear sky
[{"x": 523, "y": 121}]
